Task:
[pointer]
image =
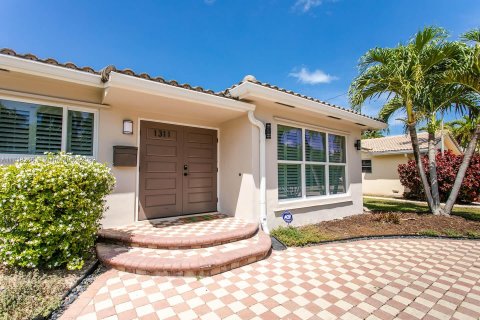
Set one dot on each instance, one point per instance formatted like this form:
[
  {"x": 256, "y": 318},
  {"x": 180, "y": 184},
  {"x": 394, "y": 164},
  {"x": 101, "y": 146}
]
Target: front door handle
[{"x": 185, "y": 170}]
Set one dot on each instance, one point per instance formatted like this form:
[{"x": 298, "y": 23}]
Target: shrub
[
  {"x": 292, "y": 236},
  {"x": 447, "y": 168},
  {"x": 50, "y": 210},
  {"x": 429, "y": 233},
  {"x": 387, "y": 217}
]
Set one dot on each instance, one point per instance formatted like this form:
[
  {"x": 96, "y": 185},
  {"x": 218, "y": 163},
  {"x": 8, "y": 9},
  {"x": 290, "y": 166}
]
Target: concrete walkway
[
  {"x": 371, "y": 279},
  {"x": 474, "y": 205}
]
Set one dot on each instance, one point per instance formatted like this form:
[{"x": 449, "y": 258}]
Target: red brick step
[
  {"x": 180, "y": 233},
  {"x": 201, "y": 262}
]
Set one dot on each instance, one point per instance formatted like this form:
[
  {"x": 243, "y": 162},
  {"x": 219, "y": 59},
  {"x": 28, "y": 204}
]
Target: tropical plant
[
  {"x": 467, "y": 75},
  {"x": 462, "y": 130},
  {"x": 447, "y": 167},
  {"x": 50, "y": 209},
  {"x": 371, "y": 134},
  {"x": 405, "y": 73}
]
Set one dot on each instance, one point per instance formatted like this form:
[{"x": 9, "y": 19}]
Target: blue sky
[{"x": 310, "y": 46}]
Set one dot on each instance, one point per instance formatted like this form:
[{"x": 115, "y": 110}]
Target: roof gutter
[
  {"x": 263, "y": 185},
  {"x": 249, "y": 90}
]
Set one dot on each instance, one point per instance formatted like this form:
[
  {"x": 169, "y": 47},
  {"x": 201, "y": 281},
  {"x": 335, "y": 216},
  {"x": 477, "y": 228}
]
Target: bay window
[
  {"x": 311, "y": 163},
  {"x": 33, "y": 129}
]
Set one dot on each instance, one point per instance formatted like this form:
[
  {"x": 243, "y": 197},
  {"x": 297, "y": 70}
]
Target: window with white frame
[
  {"x": 311, "y": 163},
  {"x": 31, "y": 129}
]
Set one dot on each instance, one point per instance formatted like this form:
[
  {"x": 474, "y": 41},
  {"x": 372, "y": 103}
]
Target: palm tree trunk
[
  {"x": 432, "y": 167},
  {"x": 461, "y": 171},
  {"x": 418, "y": 160}
]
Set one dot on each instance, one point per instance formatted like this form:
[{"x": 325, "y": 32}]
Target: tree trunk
[
  {"x": 461, "y": 171},
  {"x": 432, "y": 167},
  {"x": 420, "y": 168}
]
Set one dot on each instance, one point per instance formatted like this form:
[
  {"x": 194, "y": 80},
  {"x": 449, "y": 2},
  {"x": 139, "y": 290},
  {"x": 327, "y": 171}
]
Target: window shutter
[
  {"x": 315, "y": 180},
  {"x": 80, "y": 133},
  {"x": 289, "y": 181},
  {"x": 336, "y": 179},
  {"x": 14, "y": 130},
  {"x": 289, "y": 143},
  {"x": 315, "y": 146},
  {"x": 336, "y": 148},
  {"x": 48, "y": 136}
]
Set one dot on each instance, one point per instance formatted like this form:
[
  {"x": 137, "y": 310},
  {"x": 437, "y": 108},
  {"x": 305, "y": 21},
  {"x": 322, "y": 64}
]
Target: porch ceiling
[{"x": 153, "y": 103}]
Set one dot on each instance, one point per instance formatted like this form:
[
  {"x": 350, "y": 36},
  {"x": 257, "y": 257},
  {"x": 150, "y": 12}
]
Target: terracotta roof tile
[
  {"x": 396, "y": 143},
  {"x": 105, "y": 72},
  {"x": 29, "y": 56}
]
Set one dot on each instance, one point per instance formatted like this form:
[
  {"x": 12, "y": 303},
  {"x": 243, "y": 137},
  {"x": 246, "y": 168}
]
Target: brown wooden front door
[{"x": 178, "y": 170}]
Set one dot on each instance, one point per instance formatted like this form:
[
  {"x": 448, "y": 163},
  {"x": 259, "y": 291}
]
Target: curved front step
[
  {"x": 176, "y": 234},
  {"x": 201, "y": 262}
]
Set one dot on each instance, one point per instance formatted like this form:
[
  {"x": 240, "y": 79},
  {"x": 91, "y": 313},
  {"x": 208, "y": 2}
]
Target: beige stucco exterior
[
  {"x": 384, "y": 179},
  {"x": 238, "y": 147}
]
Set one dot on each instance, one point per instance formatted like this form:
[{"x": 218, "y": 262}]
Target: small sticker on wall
[{"x": 287, "y": 217}]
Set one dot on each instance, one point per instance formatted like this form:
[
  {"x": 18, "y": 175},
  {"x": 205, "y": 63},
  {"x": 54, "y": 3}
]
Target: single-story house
[
  {"x": 381, "y": 157},
  {"x": 252, "y": 151}
]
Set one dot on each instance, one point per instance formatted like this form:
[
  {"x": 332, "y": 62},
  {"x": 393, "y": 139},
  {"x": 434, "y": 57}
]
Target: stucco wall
[
  {"x": 384, "y": 178},
  {"x": 237, "y": 180}
]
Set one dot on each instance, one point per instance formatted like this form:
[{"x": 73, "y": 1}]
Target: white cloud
[
  {"x": 209, "y": 2},
  {"x": 313, "y": 77},
  {"x": 306, "y": 5}
]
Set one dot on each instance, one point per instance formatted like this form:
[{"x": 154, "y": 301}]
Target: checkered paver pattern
[
  {"x": 185, "y": 262},
  {"x": 182, "y": 232},
  {"x": 185, "y": 227},
  {"x": 371, "y": 279}
]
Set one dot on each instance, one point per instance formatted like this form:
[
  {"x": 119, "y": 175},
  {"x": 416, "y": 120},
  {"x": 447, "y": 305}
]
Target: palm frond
[
  {"x": 427, "y": 36},
  {"x": 471, "y": 35}
]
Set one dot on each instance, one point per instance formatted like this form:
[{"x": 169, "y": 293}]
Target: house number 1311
[{"x": 162, "y": 133}]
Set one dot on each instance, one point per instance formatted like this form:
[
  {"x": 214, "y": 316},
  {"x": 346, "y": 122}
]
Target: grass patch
[
  {"x": 473, "y": 234},
  {"x": 33, "y": 294},
  {"x": 298, "y": 237},
  {"x": 387, "y": 205},
  {"x": 429, "y": 232},
  {"x": 452, "y": 233}
]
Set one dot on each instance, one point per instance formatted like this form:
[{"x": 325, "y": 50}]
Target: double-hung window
[
  {"x": 33, "y": 129},
  {"x": 311, "y": 163}
]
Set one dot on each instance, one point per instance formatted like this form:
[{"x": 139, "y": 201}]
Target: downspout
[{"x": 263, "y": 185}]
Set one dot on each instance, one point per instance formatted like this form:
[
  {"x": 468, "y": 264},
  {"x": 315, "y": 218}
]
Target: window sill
[{"x": 305, "y": 203}]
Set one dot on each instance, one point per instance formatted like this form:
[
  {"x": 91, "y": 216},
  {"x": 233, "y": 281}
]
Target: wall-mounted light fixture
[
  {"x": 127, "y": 127},
  {"x": 358, "y": 144},
  {"x": 268, "y": 130}
]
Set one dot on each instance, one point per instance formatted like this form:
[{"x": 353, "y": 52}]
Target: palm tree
[
  {"x": 403, "y": 73},
  {"x": 467, "y": 75}
]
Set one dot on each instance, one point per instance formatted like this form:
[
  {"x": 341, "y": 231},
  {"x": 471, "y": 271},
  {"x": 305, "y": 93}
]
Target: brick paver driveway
[{"x": 373, "y": 279}]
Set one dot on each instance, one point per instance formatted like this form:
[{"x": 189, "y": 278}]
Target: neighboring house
[
  {"x": 381, "y": 157},
  {"x": 183, "y": 150}
]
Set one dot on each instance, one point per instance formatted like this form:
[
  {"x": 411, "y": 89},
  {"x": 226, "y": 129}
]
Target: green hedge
[{"x": 50, "y": 210}]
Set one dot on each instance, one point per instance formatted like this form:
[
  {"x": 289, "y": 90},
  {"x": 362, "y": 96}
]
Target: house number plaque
[{"x": 160, "y": 133}]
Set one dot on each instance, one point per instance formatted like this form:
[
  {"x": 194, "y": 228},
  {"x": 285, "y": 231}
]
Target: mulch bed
[{"x": 376, "y": 224}]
